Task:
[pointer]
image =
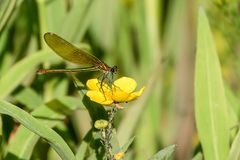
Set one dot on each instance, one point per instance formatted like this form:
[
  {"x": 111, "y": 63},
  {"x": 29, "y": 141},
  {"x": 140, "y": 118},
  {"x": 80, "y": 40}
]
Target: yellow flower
[
  {"x": 121, "y": 91},
  {"x": 119, "y": 155}
]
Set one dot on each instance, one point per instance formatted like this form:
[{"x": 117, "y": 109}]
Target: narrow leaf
[
  {"x": 234, "y": 153},
  {"x": 58, "y": 144},
  {"x": 29, "y": 98},
  {"x": 17, "y": 73},
  {"x": 127, "y": 145},
  {"x": 81, "y": 151},
  {"x": 210, "y": 101},
  {"x": 23, "y": 147},
  {"x": 164, "y": 154},
  {"x": 198, "y": 156}
]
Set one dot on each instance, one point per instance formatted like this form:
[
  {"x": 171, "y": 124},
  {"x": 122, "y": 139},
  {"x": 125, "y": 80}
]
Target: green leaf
[
  {"x": 234, "y": 153},
  {"x": 233, "y": 103},
  {"x": 19, "y": 71},
  {"x": 198, "y": 156},
  {"x": 164, "y": 154},
  {"x": 84, "y": 11},
  {"x": 19, "y": 147},
  {"x": 29, "y": 98},
  {"x": 81, "y": 150},
  {"x": 55, "y": 12},
  {"x": 1, "y": 138},
  {"x": 88, "y": 144},
  {"x": 129, "y": 155},
  {"x": 233, "y": 107},
  {"x": 38, "y": 128},
  {"x": 80, "y": 155},
  {"x": 210, "y": 102},
  {"x": 96, "y": 149},
  {"x": 127, "y": 145},
  {"x": 148, "y": 125},
  {"x": 23, "y": 147},
  {"x": 6, "y": 12},
  {"x": 114, "y": 142}
]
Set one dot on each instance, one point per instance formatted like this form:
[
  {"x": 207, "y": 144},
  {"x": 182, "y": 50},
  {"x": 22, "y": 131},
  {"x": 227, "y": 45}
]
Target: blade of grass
[
  {"x": 125, "y": 147},
  {"x": 147, "y": 56},
  {"x": 148, "y": 125},
  {"x": 234, "y": 153},
  {"x": 233, "y": 110},
  {"x": 83, "y": 10},
  {"x": 8, "y": 11},
  {"x": 81, "y": 151},
  {"x": 165, "y": 154},
  {"x": 124, "y": 47},
  {"x": 18, "y": 72},
  {"x": 23, "y": 147},
  {"x": 210, "y": 101},
  {"x": 55, "y": 12},
  {"x": 233, "y": 102},
  {"x": 29, "y": 98},
  {"x": 130, "y": 120},
  {"x": 1, "y": 139},
  {"x": 198, "y": 156}
]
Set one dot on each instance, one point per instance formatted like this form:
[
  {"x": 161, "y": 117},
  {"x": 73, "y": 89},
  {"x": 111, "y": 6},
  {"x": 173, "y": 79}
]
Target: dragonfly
[{"x": 75, "y": 55}]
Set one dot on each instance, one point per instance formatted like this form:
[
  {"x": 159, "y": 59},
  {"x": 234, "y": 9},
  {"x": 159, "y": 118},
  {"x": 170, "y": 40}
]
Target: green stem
[{"x": 107, "y": 134}]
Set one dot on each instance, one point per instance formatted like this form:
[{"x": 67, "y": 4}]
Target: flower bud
[
  {"x": 101, "y": 124},
  {"x": 119, "y": 155}
]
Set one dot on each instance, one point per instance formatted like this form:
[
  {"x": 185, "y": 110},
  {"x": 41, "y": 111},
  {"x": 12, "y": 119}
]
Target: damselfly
[{"x": 75, "y": 55}]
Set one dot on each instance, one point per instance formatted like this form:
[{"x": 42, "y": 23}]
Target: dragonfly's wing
[{"x": 69, "y": 52}]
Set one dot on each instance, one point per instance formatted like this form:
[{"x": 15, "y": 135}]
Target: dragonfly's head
[{"x": 114, "y": 69}]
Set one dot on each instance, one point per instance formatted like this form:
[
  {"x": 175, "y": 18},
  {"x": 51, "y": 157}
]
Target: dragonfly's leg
[
  {"x": 104, "y": 78},
  {"x": 74, "y": 78},
  {"x": 100, "y": 77},
  {"x": 112, "y": 78},
  {"x": 109, "y": 79},
  {"x": 101, "y": 80}
]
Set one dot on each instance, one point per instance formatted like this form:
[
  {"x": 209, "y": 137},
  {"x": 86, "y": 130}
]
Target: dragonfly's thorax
[{"x": 106, "y": 69}]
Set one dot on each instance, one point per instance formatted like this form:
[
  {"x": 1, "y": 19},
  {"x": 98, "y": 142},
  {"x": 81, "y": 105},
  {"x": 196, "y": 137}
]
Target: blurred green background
[{"x": 153, "y": 41}]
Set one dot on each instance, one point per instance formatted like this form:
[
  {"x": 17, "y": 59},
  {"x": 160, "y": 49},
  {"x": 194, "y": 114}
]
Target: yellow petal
[
  {"x": 126, "y": 84},
  {"x": 107, "y": 103},
  {"x": 99, "y": 97},
  {"x": 119, "y": 96},
  {"x": 135, "y": 95},
  {"x": 94, "y": 84}
]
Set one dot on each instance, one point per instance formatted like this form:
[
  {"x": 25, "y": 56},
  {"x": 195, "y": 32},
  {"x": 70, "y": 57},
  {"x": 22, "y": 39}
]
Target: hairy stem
[{"x": 107, "y": 134}]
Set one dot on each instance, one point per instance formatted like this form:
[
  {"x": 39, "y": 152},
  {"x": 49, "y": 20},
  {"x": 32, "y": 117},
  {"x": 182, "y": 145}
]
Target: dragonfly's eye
[{"x": 114, "y": 69}]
